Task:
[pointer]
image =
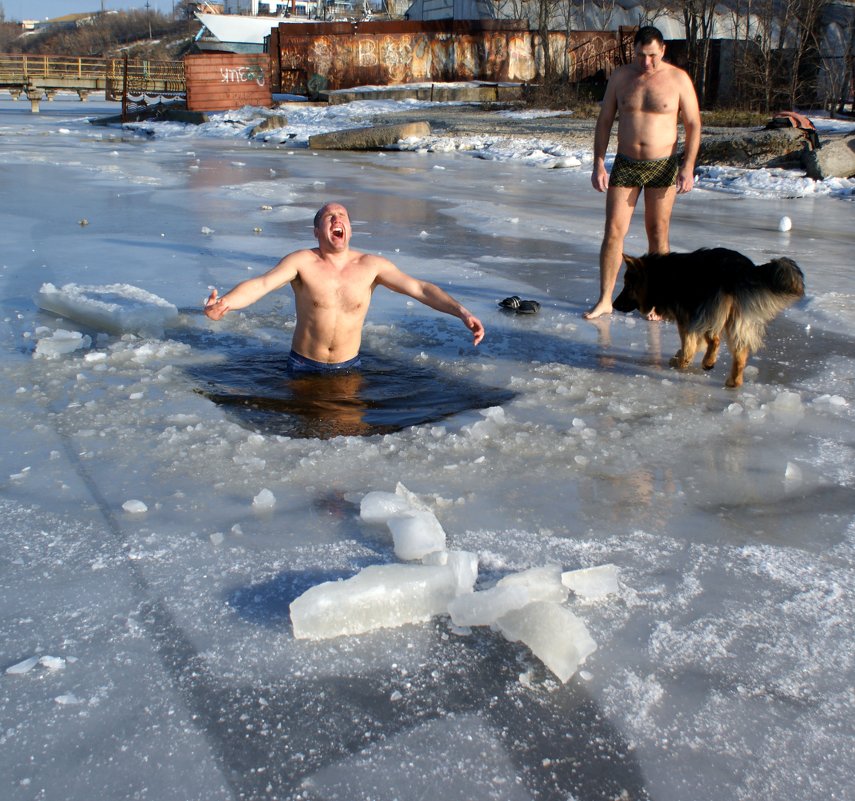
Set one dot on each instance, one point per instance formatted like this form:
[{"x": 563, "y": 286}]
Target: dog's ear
[{"x": 631, "y": 262}]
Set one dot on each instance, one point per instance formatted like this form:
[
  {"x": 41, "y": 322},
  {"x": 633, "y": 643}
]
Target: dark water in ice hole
[{"x": 381, "y": 397}]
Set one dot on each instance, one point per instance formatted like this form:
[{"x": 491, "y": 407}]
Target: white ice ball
[{"x": 784, "y": 224}]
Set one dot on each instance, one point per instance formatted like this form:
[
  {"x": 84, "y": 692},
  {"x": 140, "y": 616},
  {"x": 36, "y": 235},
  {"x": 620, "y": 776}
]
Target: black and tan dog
[{"x": 710, "y": 291}]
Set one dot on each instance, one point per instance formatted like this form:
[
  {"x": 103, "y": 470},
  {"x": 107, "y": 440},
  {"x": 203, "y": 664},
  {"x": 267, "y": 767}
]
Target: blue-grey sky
[{"x": 46, "y": 9}]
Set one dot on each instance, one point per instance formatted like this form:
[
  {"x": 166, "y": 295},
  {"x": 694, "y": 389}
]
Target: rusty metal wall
[{"x": 316, "y": 57}]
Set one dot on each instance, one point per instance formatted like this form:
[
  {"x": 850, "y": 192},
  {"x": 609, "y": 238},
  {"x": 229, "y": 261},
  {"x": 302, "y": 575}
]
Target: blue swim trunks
[{"x": 302, "y": 364}]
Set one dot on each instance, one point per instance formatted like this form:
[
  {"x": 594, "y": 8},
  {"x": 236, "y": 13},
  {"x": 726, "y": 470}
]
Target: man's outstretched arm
[
  {"x": 431, "y": 295},
  {"x": 253, "y": 289}
]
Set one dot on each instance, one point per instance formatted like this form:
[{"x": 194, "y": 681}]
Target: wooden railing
[
  {"x": 145, "y": 76},
  {"x": 46, "y": 74},
  {"x": 14, "y": 66}
]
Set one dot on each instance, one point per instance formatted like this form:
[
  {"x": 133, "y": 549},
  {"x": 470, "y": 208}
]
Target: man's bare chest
[
  {"x": 348, "y": 291},
  {"x": 649, "y": 97}
]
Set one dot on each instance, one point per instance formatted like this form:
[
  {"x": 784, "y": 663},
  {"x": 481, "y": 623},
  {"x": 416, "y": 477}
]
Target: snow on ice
[{"x": 723, "y": 663}]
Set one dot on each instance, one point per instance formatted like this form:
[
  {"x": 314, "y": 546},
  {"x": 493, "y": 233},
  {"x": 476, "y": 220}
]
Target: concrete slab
[
  {"x": 470, "y": 92},
  {"x": 371, "y": 138}
]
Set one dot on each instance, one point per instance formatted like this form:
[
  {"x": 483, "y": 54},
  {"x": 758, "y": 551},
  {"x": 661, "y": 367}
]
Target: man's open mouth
[{"x": 338, "y": 231}]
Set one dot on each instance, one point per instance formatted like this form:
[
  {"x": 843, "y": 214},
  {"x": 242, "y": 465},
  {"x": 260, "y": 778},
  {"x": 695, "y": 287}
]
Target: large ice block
[
  {"x": 114, "y": 308},
  {"x": 592, "y": 582},
  {"x": 542, "y": 583},
  {"x": 380, "y": 596},
  {"x": 416, "y": 534},
  {"x": 553, "y": 633}
]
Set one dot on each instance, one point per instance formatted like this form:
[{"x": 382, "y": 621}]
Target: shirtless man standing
[
  {"x": 332, "y": 286},
  {"x": 648, "y": 96}
]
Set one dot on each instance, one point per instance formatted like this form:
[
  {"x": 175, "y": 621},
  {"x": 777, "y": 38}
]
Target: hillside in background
[{"x": 139, "y": 33}]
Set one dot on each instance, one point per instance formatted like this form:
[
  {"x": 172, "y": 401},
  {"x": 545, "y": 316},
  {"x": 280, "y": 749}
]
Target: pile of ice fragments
[{"x": 528, "y": 606}]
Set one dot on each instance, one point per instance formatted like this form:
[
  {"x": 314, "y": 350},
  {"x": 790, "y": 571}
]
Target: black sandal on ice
[
  {"x": 528, "y": 307},
  {"x": 511, "y": 303}
]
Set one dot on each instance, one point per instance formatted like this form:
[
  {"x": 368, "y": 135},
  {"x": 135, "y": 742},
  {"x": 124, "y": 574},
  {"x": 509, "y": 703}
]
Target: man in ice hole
[{"x": 332, "y": 286}]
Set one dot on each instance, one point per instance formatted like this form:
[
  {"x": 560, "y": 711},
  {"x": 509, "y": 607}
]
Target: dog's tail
[{"x": 773, "y": 287}]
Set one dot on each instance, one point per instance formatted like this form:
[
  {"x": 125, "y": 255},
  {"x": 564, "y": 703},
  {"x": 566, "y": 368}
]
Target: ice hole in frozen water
[{"x": 381, "y": 397}]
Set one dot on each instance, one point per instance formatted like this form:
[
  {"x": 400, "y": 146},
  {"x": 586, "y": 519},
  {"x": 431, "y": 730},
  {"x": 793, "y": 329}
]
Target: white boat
[
  {"x": 235, "y": 33},
  {"x": 245, "y": 33}
]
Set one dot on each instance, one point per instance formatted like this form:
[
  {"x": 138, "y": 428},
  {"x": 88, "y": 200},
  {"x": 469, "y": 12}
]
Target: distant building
[{"x": 451, "y": 9}]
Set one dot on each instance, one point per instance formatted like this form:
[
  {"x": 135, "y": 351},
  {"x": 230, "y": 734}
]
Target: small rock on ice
[
  {"x": 134, "y": 507},
  {"x": 785, "y": 224}
]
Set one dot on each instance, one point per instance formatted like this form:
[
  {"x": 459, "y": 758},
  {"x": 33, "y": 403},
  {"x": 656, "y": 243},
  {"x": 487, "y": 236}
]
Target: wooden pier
[{"x": 44, "y": 76}]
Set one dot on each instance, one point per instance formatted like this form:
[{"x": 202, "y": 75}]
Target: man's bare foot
[
  {"x": 603, "y": 307},
  {"x": 653, "y": 316}
]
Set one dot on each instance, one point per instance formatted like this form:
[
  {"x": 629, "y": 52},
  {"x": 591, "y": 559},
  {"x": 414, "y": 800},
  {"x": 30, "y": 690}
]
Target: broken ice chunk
[
  {"x": 464, "y": 568},
  {"x": 60, "y": 343},
  {"x": 416, "y": 535},
  {"x": 543, "y": 583},
  {"x": 379, "y": 507},
  {"x": 134, "y": 507},
  {"x": 592, "y": 582},
  {"x": 25, "y": 666},
  {"x": 463, "y": 564},
  {"x": 554, "y": 634},
  {"x": 115, "y": 308},
  {"x": 486, "y": 607},
  {"x": 265, "y": 500},
  {"x": 53, "y": 662},
  {"x": 380, "y": 596}
]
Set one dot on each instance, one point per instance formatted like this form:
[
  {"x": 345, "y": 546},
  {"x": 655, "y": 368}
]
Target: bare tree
[
  {"x": 834, "y": 46},
  {"x": 699, "y": 21}
]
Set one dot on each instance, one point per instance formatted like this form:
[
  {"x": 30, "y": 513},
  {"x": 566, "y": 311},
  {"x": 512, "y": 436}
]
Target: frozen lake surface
[{"x": 152, "y": 654}]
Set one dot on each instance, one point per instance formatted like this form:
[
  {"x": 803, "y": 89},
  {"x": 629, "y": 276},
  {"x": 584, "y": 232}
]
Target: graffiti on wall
[
  {"x": 398, "y": 52},
  {"x": 244, "y": 74}
]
